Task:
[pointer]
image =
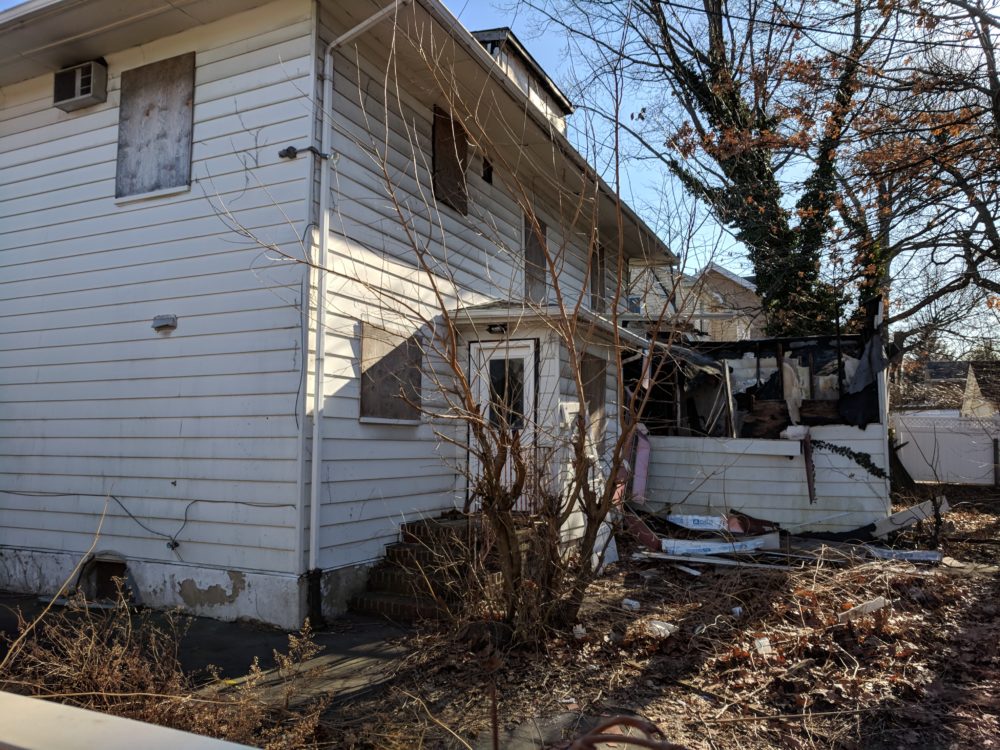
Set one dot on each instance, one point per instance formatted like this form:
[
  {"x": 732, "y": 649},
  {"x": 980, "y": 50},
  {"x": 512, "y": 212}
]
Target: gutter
[{"x": 314, "y": 572}]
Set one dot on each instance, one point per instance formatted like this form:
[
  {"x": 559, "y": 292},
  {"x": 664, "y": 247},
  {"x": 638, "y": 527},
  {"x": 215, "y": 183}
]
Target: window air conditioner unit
[{"x": 80, "y": 86}]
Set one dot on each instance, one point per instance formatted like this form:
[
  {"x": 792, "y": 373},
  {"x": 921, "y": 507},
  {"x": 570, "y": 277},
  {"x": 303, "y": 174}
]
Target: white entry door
[{"x": 503, "y": 380}]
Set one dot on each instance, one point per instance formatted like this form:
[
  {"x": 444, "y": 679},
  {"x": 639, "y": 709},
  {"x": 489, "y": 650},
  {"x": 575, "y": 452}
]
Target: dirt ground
[{"x": 922, "y": 672}]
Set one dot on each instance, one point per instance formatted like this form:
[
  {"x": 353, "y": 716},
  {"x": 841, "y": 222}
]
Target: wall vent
[{"x": 80, "y": 86}]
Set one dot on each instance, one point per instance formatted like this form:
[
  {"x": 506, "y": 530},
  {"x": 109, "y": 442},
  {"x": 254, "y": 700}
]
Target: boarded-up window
[
  {"x": 593, "y": 375},
  {"x": 155, "y": 121},
  {"x": 390, "y": 375},
  {"x": 534, "y": 259},
  {"x": 451, "y": 157},
  {"x": 599, "y": 280}
]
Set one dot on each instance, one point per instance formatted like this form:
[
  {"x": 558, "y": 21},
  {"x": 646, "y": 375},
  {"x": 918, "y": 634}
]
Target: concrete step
[{"x": 397, "y": 607}]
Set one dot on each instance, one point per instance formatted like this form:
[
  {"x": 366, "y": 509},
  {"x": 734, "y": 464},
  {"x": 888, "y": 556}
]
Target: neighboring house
[
  {"x": 981, "y": 398},
  {"x": 721, "y": 305},
  {"x": 713, "y": 304},
  {"x": 942, "y": 371},
  {"x": 160, "y": 322},
  {"x": 935, "y": 384},
  {"x": 970, "y": 388}
]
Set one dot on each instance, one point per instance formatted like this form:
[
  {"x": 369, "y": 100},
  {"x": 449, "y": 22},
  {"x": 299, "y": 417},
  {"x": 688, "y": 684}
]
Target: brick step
[
  {"x": 397, "y": 607},
  {"x": 413, "y": 554},
  {"x": 432, "y": 531},
  {"x": 394, "y": 579}
]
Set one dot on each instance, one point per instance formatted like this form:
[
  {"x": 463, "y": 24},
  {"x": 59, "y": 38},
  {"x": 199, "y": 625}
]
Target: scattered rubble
[{"x": 816, "y": 645}]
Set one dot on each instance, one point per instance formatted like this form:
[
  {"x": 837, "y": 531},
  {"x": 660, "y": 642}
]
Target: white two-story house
[{"x": 233, "y": 235}]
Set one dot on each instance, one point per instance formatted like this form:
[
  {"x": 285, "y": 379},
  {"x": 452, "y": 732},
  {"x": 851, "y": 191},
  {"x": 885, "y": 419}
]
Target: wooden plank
[
  {"x": 190, "y": 406},
  {"x": 909, "y": 516},
  {"x": 235, "y": 514},
  {"x": 170, "y": 468},
  {"x": 273, "y": 427},
  {"x": 253, "y": 298},
  {"x": 740, "y": 446},
  {"x": 862, "y": 609},
  {"x": 156, "y": 119},
  {"x": 123, "y": 526},
  {"x": 721, "y": 561},
  {"x": 195, "y": 553},
  {"x": 699, "y": 523},
  {"x": 911, "y": 555},
  {"x": 262, "y": 447},
  {"x": 261, "y": 491}
]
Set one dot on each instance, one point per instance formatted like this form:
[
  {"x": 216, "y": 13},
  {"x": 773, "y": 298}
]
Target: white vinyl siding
[
  {"x": 201, "y": 422},
  {"x": 376, "y": 476},
  {"x": 767, "y": 478}
]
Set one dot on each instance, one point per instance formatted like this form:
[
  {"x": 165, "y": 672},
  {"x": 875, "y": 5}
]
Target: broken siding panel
[
  {"x": 706, "y": 476},
  {"x": 94, "y": 401}
]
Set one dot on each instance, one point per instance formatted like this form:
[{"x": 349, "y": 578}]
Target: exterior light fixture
[{"x": 164, "y": 323}]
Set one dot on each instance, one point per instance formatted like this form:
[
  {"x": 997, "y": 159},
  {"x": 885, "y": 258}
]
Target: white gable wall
[
  {"x": 376, "y": 475},
  {"x": 195, "y": 432}
]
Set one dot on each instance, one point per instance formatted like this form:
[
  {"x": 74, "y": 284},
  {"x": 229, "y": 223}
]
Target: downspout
[
  {"x": 305, "y": 286},
  {"x": 314, "y": 574}
]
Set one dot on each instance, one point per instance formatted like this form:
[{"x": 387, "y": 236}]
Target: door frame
[{"x": 480, "y": 353}]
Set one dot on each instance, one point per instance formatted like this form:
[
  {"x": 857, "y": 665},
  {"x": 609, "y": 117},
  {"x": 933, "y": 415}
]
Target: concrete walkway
[{"x": 357, "y": 653}]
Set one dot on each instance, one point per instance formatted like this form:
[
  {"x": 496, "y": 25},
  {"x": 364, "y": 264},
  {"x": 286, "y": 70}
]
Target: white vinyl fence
[{"x": 940, "y": 446}]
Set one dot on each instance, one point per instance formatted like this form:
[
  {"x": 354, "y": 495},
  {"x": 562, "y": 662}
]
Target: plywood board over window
[
  {"x": 534, "y": 259},
  {"x": 155, "y": 124},
  {"x": 599, "y": 279},
  {"x": 390, "y": 375},
  {"x": 593, "y": 375},
  {"x": 451, "y": 159}
]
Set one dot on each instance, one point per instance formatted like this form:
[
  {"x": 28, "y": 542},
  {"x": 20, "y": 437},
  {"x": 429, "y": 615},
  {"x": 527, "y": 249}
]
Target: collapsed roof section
[{"x": 758, "y": 388}]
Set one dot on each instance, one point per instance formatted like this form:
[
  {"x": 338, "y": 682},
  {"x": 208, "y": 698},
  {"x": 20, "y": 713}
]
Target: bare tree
[{"x": 548, "y": 486}]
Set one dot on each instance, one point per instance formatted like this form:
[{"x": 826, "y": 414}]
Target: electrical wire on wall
[{"x": 172, "y": 539}]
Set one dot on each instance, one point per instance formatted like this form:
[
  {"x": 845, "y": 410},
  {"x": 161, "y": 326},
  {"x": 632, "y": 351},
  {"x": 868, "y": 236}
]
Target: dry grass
[{"x": 122, "y": 663}]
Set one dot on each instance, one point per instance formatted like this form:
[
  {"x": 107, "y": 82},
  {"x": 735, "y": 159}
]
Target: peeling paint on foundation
[
  {"x": 214, "y": 595},
  {"x": 273, "y": 598}
]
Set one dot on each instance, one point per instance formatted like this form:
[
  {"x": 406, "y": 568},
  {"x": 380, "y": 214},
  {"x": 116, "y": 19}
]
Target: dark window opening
[
  {"x": 507, "y": 393},
  {"x": 450, "y": 160},
  {"x": 534, "y": 259},
  {"x": 487, "y": 171}
]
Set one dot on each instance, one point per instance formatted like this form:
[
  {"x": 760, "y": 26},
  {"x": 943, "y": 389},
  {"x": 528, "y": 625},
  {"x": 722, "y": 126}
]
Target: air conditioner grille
[{"x": 80, "y": 86}]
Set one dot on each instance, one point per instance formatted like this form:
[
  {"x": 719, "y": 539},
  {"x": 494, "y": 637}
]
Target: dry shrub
[{"x": 119, "y": 662}]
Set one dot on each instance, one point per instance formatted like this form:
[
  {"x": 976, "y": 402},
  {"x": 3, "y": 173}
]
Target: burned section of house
[{"x": 789, "y": 430}]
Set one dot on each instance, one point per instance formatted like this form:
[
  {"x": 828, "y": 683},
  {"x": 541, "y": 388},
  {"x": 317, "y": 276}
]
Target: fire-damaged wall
[
  {"x": 791, "y": 431},
  {"x": 768, "y": 478}
]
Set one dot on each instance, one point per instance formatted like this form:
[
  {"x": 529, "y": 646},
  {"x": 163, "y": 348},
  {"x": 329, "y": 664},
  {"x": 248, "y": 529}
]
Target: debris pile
[
  {"x": 737, "y": 540},
  {"x": 823, "y": 645}
]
